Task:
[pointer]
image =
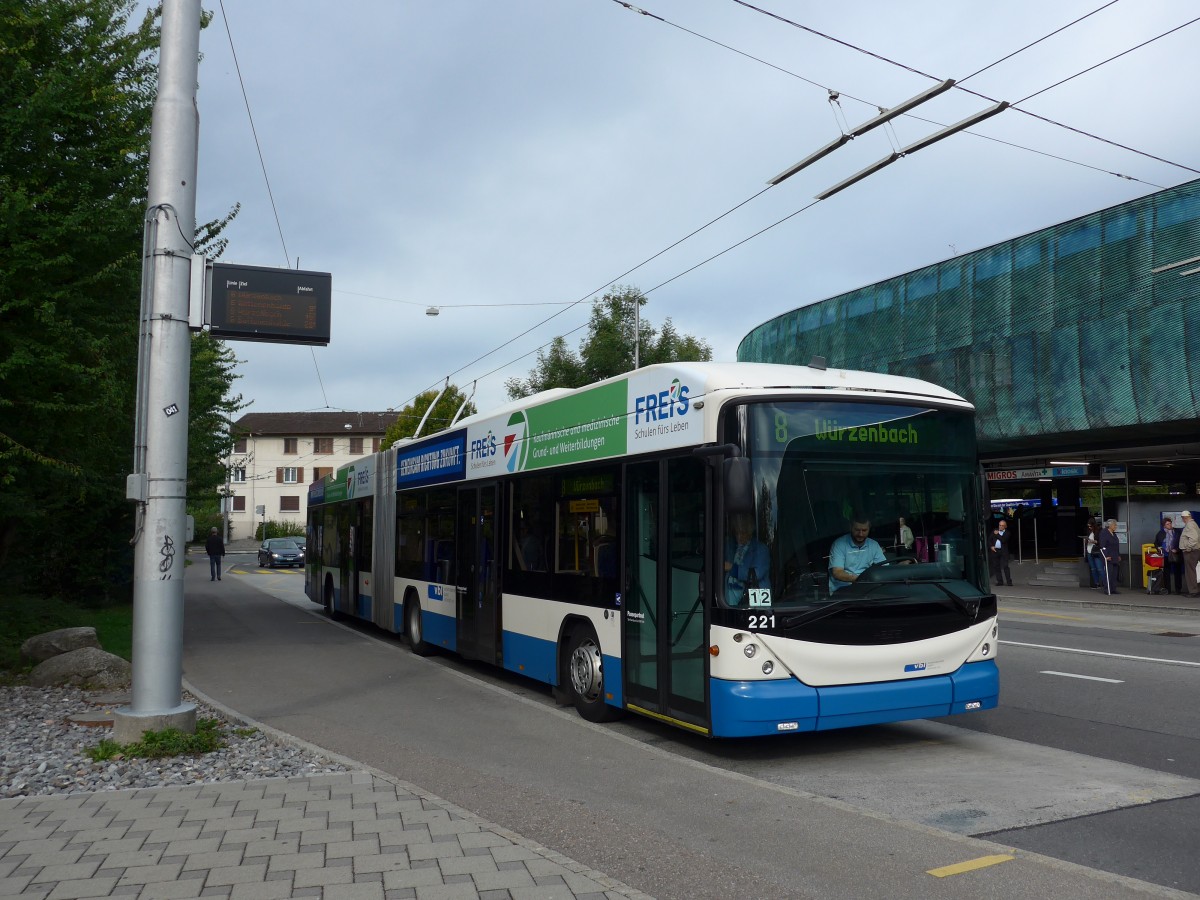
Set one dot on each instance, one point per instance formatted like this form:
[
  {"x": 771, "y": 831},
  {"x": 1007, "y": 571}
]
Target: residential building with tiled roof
[{"x": 276, "y": 455}]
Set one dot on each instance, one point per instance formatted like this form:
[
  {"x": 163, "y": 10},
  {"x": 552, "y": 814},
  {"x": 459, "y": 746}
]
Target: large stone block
[
  {"x": 42, "y": 647},
  {"x": 88, "y": 666}
]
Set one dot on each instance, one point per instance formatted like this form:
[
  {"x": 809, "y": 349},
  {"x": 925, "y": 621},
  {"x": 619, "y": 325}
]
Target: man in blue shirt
[
  {"x": 852, "y": 554},
  {"x": 747, "y": 561}
]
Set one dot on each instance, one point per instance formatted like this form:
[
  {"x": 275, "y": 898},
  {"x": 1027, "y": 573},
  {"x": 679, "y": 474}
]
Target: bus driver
[{"x": 852, "y": 554}]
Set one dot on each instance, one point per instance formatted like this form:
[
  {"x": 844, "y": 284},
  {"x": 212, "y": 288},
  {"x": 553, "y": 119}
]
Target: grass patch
[
  {"x": 24, "y": 615},
  {"x": 161, "y": 744},
  {"x": 245, "y": 732}
]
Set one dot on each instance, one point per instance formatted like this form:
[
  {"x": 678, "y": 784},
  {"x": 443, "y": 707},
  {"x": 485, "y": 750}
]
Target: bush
[{"x": 273, "y": 529}]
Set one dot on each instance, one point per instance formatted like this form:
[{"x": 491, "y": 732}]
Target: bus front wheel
[
  {"x": 416, "y": 635},
  {"x": 585, "y": 676}
]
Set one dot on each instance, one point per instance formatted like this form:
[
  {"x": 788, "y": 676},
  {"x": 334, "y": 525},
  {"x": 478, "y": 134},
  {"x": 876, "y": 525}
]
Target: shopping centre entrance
[{"x": 1049, "y": 500}]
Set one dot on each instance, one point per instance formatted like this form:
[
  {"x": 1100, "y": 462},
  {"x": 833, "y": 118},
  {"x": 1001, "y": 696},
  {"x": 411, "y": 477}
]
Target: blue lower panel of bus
[
  {"x": 536, "y": 658},
  {"x": 362, "y": 607},
  {"x": 747, "y": 708},
  {"x": 441, "y": 631},
  {"x": 530, "y": 656}
]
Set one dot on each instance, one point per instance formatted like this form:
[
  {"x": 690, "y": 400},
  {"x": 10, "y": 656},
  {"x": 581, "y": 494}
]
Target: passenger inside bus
[
  {"x": 747, "y": 561},
  {"x": 529, "y": 548}
]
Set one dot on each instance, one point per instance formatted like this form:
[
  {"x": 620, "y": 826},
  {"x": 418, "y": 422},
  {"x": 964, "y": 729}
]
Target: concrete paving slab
[{"x": 106, "y": 862}]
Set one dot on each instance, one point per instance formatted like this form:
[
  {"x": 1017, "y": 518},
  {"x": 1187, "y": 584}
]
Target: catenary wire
[
  {"x": 877, "y": 106},
  {"x": 593, "y": 293},
  {"x": 1038, "y": 41},
  {"x": 656, "y": 287},
  {"x": 453, "y": 305},
  {"x": 1014, "y": 107},
  {"x": 734, "y": 246},
  {"x": 254, "y": 131},
  {"x": 266, "y": 178},
  {"x": 769, "y": 227},
  {"x": 1110, "y": 59}
]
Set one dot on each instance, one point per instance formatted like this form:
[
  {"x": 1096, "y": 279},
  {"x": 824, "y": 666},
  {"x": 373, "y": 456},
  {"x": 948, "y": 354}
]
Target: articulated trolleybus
[{"x": 687, "y": 542}]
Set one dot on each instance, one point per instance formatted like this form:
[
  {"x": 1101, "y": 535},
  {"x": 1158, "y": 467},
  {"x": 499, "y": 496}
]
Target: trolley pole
[{"x": 159, "y": 482}]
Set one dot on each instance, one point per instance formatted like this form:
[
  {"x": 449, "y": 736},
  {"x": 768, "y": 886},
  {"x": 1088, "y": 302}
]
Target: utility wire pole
[{"x": 159, "y": 482}]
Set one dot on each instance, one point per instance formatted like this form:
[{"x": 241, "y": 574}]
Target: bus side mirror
[{"x": 739, "y": 485}]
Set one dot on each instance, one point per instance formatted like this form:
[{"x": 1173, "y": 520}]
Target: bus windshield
[{"x": 855, "y": 503}]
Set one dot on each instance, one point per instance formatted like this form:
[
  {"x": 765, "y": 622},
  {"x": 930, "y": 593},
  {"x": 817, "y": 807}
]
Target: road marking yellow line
[
  {"x": 1024, "y": 612},
  {"x": 971, "y": 865}
]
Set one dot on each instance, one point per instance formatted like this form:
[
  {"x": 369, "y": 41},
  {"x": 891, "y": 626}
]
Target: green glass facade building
[{"x": 1063, "y": 339}]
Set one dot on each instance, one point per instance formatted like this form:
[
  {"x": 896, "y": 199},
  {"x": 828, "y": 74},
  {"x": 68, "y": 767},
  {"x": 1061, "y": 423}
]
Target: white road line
[
  {"x": 1170, "y": 662},
  {"x": 1085, "y": 677}
]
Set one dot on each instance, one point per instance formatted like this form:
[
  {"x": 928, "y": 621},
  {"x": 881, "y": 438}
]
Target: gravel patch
[{"x": 41, "y": 753}]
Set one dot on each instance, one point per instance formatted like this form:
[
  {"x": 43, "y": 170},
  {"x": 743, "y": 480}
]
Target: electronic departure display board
[{"x": 284, "y": 306}]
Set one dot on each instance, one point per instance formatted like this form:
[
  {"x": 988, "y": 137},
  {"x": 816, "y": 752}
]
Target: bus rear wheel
[
  {"x": 416, "y": 634},
  {"x": 327, "y": 594},
  {"x": 584, "y": 676}
]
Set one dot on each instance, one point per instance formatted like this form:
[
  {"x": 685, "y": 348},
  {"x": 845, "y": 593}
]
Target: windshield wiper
[
  {"x": 830, "y": 608},
  {"x": 968, "y": 607}
]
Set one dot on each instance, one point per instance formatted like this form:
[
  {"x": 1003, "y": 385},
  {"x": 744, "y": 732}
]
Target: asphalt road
[
  {"x": 861, "y": 813},
  {"x": 1120, "y": 687}
]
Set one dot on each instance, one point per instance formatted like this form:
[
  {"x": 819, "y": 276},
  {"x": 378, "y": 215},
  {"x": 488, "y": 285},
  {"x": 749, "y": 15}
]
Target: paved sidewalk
[
  {"x": 1134, "y": 599},
  {"x": 357, "y": 836},
  {"x": 352, "y": 836}
]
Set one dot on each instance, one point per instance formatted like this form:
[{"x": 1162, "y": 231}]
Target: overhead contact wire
[{"x": 1014, "y": 106}]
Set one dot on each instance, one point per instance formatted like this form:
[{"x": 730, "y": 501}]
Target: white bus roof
[{"x": 712, "y": 377}]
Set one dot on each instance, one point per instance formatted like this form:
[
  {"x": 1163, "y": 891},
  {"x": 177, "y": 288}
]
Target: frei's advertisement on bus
[
  {"x": 354, "y": 480},
  {"x": 638, "y": 414}
]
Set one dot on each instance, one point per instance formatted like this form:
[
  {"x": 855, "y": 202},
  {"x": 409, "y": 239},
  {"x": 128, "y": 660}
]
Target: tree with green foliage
[
  {"x": 212, "y": 406},
  {"x": 443, "y": 414},
  {"x": 77, "y": 85},
  {"x": 608, "y": 348},
  {"x": 76, "y": 91}
]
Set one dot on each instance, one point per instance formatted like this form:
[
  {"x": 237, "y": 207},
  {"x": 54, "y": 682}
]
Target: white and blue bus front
[{"x": 853, "y": 588}]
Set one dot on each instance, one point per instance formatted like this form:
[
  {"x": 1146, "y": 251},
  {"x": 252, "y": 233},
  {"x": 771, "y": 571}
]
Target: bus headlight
[
  {"x": 750, "y": 650},
  {"x": 768, "y": 667},
  {"x": 985, "y": 649}
]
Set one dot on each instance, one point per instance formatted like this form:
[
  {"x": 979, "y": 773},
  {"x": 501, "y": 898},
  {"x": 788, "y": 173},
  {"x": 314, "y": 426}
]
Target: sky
[{"x": 499, "y": 160}]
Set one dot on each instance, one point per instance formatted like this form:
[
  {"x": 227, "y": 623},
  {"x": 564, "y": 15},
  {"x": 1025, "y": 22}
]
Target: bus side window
[{"x": 531, "y": 506}]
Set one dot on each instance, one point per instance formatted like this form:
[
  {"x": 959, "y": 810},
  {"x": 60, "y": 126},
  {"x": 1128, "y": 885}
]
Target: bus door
[
  {"x": 475, "y": 578},
  {"x": 347, "y": 567},
  {"x": 666, "y": 620}
]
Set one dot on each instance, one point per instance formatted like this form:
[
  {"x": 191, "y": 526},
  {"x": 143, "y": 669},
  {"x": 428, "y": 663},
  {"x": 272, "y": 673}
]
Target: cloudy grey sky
[{"x": 493, "y": 157}]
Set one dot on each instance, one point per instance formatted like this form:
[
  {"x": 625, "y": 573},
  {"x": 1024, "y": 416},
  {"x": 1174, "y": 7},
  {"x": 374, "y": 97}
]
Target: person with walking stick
[{"x": 1110, "y": 549}]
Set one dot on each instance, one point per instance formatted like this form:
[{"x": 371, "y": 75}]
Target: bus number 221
[{"x": 766, "y": 620}]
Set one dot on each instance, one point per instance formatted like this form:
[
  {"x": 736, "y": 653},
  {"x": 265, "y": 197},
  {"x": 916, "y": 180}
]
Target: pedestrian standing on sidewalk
[
  {"x": 1091, "y": 555},
  {"x": 1189, "y": 546},
  {"x": 215, "y": 548},
  {"x": 1167, "y": 542},
  {"x": 999, "y": 554},
  {"x": 1110, "y": 549}
]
